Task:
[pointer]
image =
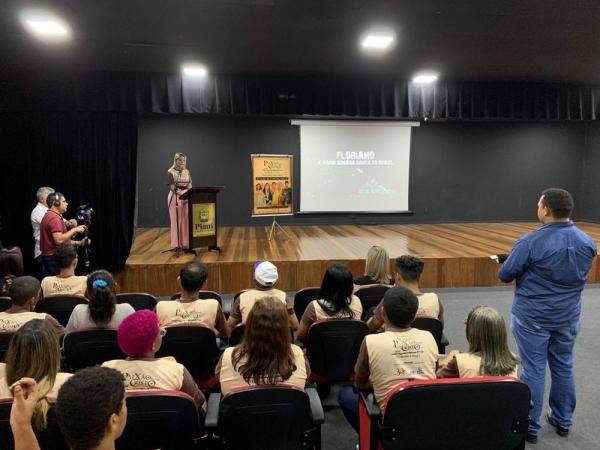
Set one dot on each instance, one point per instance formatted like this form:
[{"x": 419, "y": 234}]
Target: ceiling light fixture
[
  {"x": 45, "y": 25},
  {"x": 425, "y": 77},
  {"x": 377, "y": 41},
  {"x": 194, "y": 70}
]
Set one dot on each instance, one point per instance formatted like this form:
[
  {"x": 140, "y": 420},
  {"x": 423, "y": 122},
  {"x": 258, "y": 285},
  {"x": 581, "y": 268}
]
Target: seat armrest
[
  {"x": 368, "y": 399},
  {"x": 212, "y": 411},
  {"x": 316, "y": 408},
  {"x": 444, "y": 340}
]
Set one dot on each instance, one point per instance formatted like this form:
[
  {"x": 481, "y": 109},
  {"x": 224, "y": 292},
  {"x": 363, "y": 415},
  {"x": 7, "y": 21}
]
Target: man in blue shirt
[{"x": 550, "y": 266}]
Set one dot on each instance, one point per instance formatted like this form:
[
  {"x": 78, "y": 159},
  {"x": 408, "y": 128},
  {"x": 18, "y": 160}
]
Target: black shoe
[
  {"x": 531, "y": 438},
  {"x": 561, "y": 431}
]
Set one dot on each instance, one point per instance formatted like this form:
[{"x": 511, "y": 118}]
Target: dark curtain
[
  {"x": 298, "y": 96},
  {"x": 88, "y": 156}
]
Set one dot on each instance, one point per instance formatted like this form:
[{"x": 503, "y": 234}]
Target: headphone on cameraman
[{"x": 54, "y": 199}]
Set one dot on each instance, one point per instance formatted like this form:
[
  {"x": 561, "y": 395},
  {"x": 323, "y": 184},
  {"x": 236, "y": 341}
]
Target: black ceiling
[{"x": 532, "y": 40}]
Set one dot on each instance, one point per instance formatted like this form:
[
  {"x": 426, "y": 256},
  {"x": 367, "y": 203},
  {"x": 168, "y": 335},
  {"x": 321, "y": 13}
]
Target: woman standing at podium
[{"x": 179, "y": 180}]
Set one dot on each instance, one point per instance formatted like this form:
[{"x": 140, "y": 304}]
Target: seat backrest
[
  {"x": 166, "y": 420},
  {"x": 478, "y": 413},
  {"x": 434, "y": 326},
  {"x": 5, "y": 303},
  {"x": 5, "y": 338},
  {"x": 60, "y": 306},
  {"x": 264, "y": 418},
  {"x": 332, "y": 347},
  {"x": 48, "y": 439},
  {"x": 137, "y": 300},
  {"x": 303, "y": 297},
  {"x": 237, "y": 334},
  {"x": 193, "y": 346},
  {"x": 370, "y": 296},
  {"x": 90, "y": 347}
]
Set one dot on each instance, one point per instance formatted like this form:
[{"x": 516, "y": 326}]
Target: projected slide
[{"x": 360, "y": 167}]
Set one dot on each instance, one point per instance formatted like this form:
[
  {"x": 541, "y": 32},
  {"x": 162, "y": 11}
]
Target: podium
[{"x": 202, "y": 216}]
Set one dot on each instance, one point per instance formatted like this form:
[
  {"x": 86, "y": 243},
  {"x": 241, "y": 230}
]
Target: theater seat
[
  {"x": 266, "y": 418},
  {"x": 237, "y": 334},
  {"x": 488, "y": 413},
  {"x": 90, "y": 347},
  {"x": 196, "y": 348},
  {"x": 202, "y": 295},
  {"x": 166, "y": 420},
  {"x": 60, "y": 306},
  {"x": 5, "y": 303},
  {"x": 49, "y": 439},
  {"x": 5, "y": 338},
  {"x": 138, "y": 300},
  {"x": 303, "y": 297},
  {"x": 370, "y": 296},
  {"x": 435, "y": 327},
  {"x": 332, "y": 348}
]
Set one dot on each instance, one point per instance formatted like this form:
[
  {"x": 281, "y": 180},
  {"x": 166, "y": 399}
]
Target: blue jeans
[
  {"x": 536, "y": 345},
  {"x": 348, "y": 401}
]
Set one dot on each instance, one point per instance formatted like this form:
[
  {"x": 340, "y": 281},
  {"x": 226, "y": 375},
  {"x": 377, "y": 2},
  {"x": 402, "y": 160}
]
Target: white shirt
[
  {"x": 80, "y": 317},
  {"x": 36, "y": 218}
]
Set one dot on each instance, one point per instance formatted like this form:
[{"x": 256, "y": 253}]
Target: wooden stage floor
[{"x": 456, "y": 255}]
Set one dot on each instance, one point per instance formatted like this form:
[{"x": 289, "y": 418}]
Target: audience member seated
[
  {"x": 34, "y": 352},
  {"x": 11, "y": 267},
  {"x": 335, "y": 300},
  {"x": 66, "y": 282},
  {"x": 408, "y": 272},
  {"x": 266, "y": 355},
  {"x": 488, "y": 353},
  {"x": 265, "y": 277},
  {"x": 91, "y": 410},
  {"x": 399, "y": 354},
  {"x": 188, "y": 309},
  {"x": 140, "y": 337},
  {"x": 24, "y": 293},
  {"x": 102, "y": 311},
  {"x": 377, "y": 268}
]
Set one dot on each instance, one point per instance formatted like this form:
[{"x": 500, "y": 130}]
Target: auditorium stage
[{"x": 456, "y": 255}]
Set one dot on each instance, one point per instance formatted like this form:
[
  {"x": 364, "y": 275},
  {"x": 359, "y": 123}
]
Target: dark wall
[
  {"x": 459, "y": 171},
  {"x": 591, "y": 174}
]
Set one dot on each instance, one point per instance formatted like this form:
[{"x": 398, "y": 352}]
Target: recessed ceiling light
[
  {"x": 425, "y": 77},
  {"x": 194, "y": 70},
  {"x": 45, "y": 25},
  {"x": 377, "y": 41}
]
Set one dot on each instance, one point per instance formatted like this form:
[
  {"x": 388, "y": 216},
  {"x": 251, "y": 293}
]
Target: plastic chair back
[
  {"x": 60, "y": 306},
  {"x": 267, "y": 418},
  {"x": 469, "y": 414},
  {"x": 303, "y": 297},
  {"x": 91, "y": 347},
  {"x": 166, "y": 420},
  {"x": 196, "y": 348},
  {"x": 332, "y": 348},
  {"x": 202, "y": 295},
  {"x": 370, "y": 296},
  {"x": 435, "y": 327},
  {"x": 237, "y": 334},
  {"x": 138, "y": 301}
]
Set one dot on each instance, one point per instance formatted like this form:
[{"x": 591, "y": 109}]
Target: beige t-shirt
[
  {"x": 314, "y": 312},
  {"x": 164, "y": 373},
  {"x": 429, "y": 305},
  {"x": 14, "y": 321},
  {"x": 396, "y": 356},
  {"x": 74, "y": 285},
  {"x": 231, "y": 379},
  {"x": 469, "y": 366},
  {"x": 205, "y": 311},
  {"x": 244, "y": 303},
  {"x": 61, "y": 377}
]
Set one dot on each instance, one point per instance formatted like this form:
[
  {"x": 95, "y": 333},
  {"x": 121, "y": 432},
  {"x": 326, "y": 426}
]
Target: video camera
[{"x": 83, "y": 216}]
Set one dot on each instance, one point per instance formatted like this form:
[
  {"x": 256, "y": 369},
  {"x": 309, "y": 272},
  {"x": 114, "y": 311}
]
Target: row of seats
[{"x": 419, "y": 415}]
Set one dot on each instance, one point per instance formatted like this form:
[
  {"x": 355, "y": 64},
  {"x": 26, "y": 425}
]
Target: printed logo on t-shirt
[
  {"x": 139, "y": 380},
  {"x": 191, "y": 315},
  {"x": 410, "y": 353},
  {"x": 10, "y": 324}
]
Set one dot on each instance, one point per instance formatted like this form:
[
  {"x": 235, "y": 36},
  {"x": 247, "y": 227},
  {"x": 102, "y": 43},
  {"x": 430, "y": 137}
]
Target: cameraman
[{"x": 53, "y": 232}]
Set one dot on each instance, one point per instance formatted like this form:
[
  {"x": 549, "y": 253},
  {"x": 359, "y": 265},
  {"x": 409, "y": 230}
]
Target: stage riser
[{"x": 455, "y": 255}]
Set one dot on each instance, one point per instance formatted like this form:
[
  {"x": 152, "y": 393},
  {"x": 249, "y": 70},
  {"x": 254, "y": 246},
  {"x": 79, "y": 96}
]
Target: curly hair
[
  {"x": 85, "y": 404},
  {"x": 138, "y": 332},
  {"x": 265, "y": 355},
  {"x": 409, "y": 267}
]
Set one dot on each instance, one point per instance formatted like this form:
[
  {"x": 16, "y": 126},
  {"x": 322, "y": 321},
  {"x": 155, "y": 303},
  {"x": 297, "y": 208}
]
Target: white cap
[{"x": 266, "y": 273}]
